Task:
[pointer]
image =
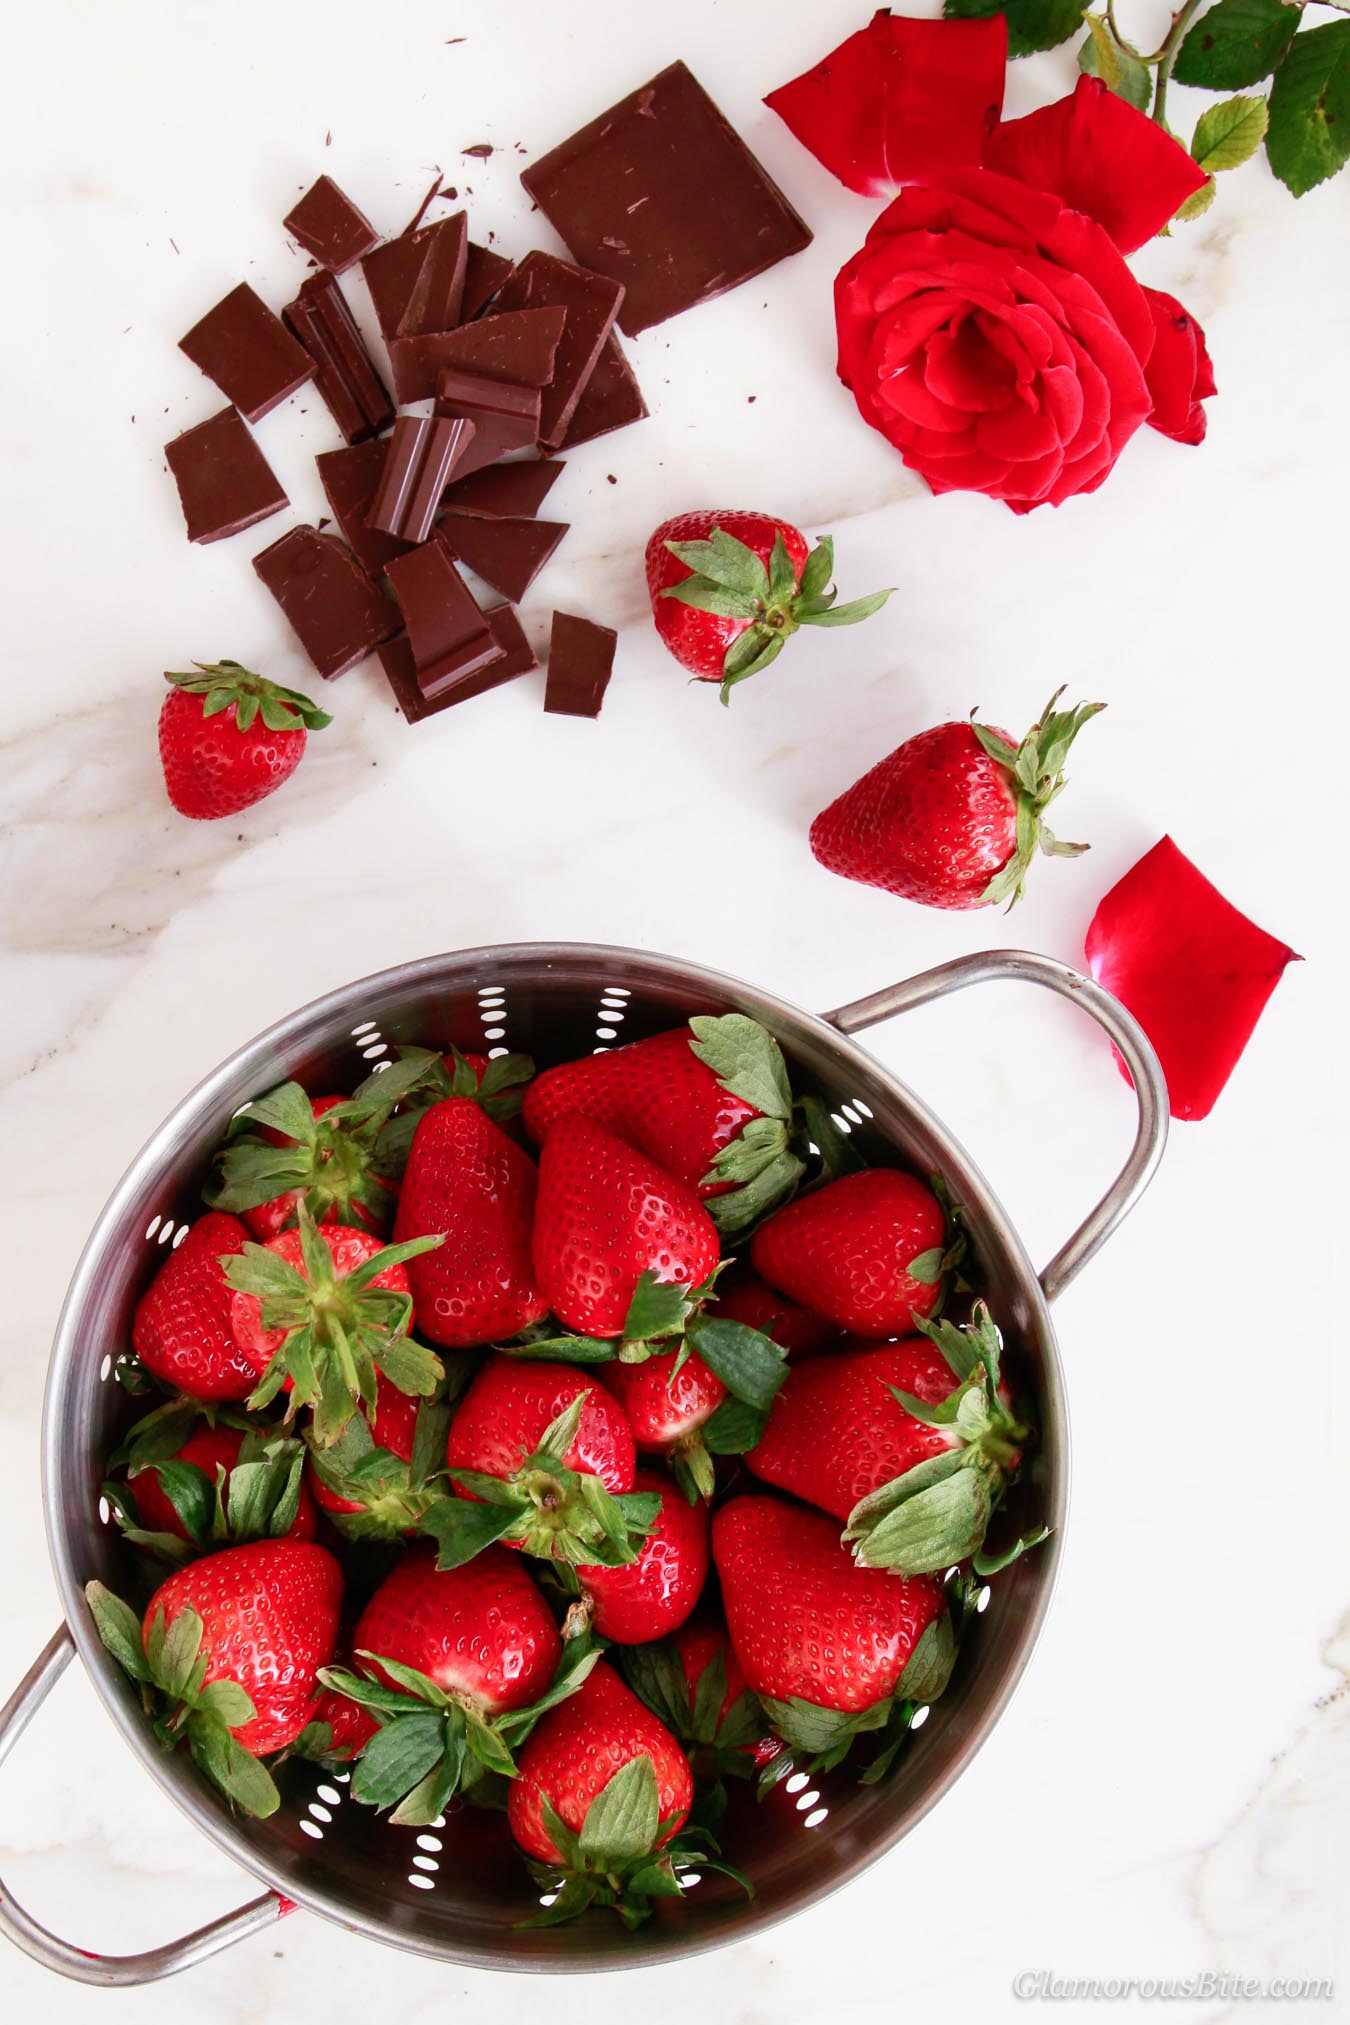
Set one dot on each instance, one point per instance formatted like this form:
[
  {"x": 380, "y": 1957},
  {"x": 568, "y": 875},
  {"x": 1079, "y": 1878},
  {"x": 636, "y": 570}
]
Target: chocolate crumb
[
  {"x": 612, "y": 479},
  {"x": 752, "y": 397},
  {"x": 174, "y": 244},
  {"x": 481, "y": 151},
  {"x": 328, "y": 138}
]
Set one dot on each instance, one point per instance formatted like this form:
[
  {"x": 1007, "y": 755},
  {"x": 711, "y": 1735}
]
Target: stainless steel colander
[{"x": 457, "y": 1892}]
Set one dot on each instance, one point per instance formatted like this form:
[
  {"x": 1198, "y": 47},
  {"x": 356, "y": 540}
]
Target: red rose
[
  {"x": 1180, "y": 375},
  {"x": 997, "y": 339}
]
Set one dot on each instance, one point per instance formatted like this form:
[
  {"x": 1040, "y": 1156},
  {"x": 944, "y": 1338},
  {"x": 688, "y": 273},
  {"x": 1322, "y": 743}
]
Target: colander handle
[
  {"x": 1001, "y": 966},
  {"x": 108, "y": 1971}
]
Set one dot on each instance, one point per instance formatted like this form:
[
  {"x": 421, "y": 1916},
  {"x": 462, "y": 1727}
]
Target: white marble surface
[{"x": 1167, "y": 1794}]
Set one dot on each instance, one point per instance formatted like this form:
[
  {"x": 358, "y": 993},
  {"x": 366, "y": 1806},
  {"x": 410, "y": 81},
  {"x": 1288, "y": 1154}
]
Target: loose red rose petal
[
  {"x": 1179, "y": 373},
  {"x": 1194, "y": 972},
  {"x": 1102, "y": 157},
  {"x": 900, "y": 100}
]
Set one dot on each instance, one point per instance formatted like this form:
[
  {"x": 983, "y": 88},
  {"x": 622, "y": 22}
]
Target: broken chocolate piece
[
  {"x": 504, "y": 417},
  {"x": 349, "y": 479},
  {"x": 520, "y": 346},
  {"x": 506, "y": 488},
  {"x": 337, "y": 611},
  {"x": 420, "y": 459},
  {"x": 542, "y": 281},
  {"x": 610, "y": 399},
  {"x": 328, "y": 225},
  {"x": 224, "y": 481},
  {"x": 662, "y": 194},
  {"x": 447, "y": 633},
  {"x": 344, "y": 371},
  {"x": 506, "y": 553},
  {"x": 484, "y": 273},
  {"x": 248, "y": 352},
  {"x": 438, "y": 291},
  {"x": 517, "y": 658},
  {"x": 391, "y": 273},
  {"x": 580, "y": 663}
]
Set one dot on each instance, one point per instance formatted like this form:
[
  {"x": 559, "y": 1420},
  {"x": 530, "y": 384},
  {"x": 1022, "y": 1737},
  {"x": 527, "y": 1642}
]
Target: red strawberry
[
  {"x": 652, "y": 1596},
  {"x": 322, "y": 1313},
  {"x": 393, "y": 1428},
  {"x": 952, "y": 817},
  {"x": 736, "y": 1729},
  {"x": 607, "y": 1216},
  {"x": 467, "y": 1183},
  {"x": 577, "y": 1751},
  {"x": 350, "y": 1727},
  {"x": 324, "y": 1160},
  {"x": 743, "y": 1297},
  {"x": 181, "y": 1329},
  {"x": 504, "y": 1413},
  {"x": 696, "y": 1647},
  {"x": 728, "y": 589},
  {"x": 666, "y": 1408},
  {"x": 209, "y": 1449},
  {"x": 229, "y": 1650},
  {"x": 227, "y": 738},
  {"x": 810, "y": 1627},
  {"x": 849, "y": 1251}
]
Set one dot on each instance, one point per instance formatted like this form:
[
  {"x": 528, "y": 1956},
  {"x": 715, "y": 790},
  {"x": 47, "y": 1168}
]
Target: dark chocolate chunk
[
  {"x": 520, "y": 346},
  {"x": 580, "y": 663},
  {"x": 506, "y": 488},
  {"x": 506, "y": 553},
  {"x": 248, "y": 352},
  {"x": 662, "y": 194},
  {"x": 610, "y": 399},
  {"x": 517, "y": 658},
  {"x": 542, "y": 281},
  {"x": 420, "y": 459},
  {"x": 447, "y": 633},
  {"x": 438, "y": 290},
  {"x": 344, "y": 371},
  {"x": 349, "y": 479},
  {"x": 337, "y": 611},
  {"x": 484, "y": 273},
  {"x": 328, "y": 225},
  {"x": 223, "y": 479},
  {"x": 504, "y": 417},
  {"x": 391, "y": 273}
]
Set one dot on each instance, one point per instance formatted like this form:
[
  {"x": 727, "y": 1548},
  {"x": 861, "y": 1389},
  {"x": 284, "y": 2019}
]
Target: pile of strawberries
[{"x": 693, "y": 1485}]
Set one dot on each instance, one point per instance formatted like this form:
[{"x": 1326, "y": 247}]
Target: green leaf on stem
[
  {"x": 1309, "y": 133},
  {"x": 1229, "y": 133},
  {"x": 1235, "y": 44}
]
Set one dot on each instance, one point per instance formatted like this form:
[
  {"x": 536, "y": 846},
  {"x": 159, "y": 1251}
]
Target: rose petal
[
  {"x": 1102, "y": 156},
  {"x": 1194, "y": 972},
  {"x": 899, "y": 100},
  {"x": 966, "y": 372},
  {"x": 1179, "y": 373}
]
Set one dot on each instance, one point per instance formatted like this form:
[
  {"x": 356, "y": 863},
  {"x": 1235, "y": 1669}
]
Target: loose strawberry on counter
[
  {"x": 228, "y": 1654},
  {"x": 652, "y": 1596},
  {"x": 181, "y": 1329},
  {"x": 228, "y": 738},
  {"x": 865, "y": 1251},
  {"x": 954, "y": 817},
  {"x": 324, "y": 1313},
  {"x": 728, "y": 589}
]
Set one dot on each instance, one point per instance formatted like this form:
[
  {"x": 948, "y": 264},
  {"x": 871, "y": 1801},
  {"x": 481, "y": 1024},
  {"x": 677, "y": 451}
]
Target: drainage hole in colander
[
  {"x": 982, "y": 1600},
  {"x": 179, "y": 1235},
  {"x": 854, "y": 1117},
  {"x": 795, "y": 1783},
  {"x": 319, "y": 1811},
  {"x": 814, "y": 1820},
  {"x": 492, "y": 991},
  {"x": 842, "y": 1122},
  {"x": 606, "y": 1033},
  {"x": 494, "y": 1033},
  {"x": 330, "y": 1794},
  {"x": 427, "y": 1863},
  {"x": 547, "y": 1897},
  {"x": 859, "y": 1105},
  {"x": 807, "y": 1800},
  {"x": 165, "y": 1231},
  {"x": 366, "y": 1027},
  {"x": 919, "y": 1718},
  {"x": 152, "y": 1227},
  {"x": 105, "y": 1370},
  {"x": 104, "y": 1511},
  {"x": 432, "y": 1842},
  {"x": 689, "y": 1879},
  {"x": 422, "y": 1883},
  {"x": 312, "y": 1829},
  {"x": 616, "y": 991},
  {"x": 494, "y": 1052},
  {"x": 373, "y": 1054}
]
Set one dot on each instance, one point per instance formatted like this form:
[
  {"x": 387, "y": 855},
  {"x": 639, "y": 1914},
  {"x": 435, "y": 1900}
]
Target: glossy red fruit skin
[
  {"x": 267, "y": 1219},
  {"x": 482, "y": 1632},
  {"x": 269, "y": 1616},
  {"x": 181, "y": 1329},
  {"x": 654, "y": 1094},
  {"x": 836, "y": 1432},
  {"x": 577, "y": 1749},
  {"x": 394, "y": 1428},
  {"x": 347, "y": 1247},
  {"x": 803, "y": 1619},
  {"x": 744, "y": 1297},
  {"x": 466, "y": 1181},
  {"x": 653, "y": 1595},
  {"x": 211, "y": 768},
  {"x": 699, "y": 640},
  {"x": 662, "y": 1411},
  {"x": 605, "y": 1216},
  {"x": 510, "y": 1403},
  {"x": 210, "y": 1448},
  {"x": 843, "y": 1250},
  {"x": 351, "y": 1725},
  {"x": 697, "y": 1646},
  {"x": 933, "y": 821}
]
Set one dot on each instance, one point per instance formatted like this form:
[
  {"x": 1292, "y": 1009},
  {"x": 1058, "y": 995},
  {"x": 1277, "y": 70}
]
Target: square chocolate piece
[
  {"x": 517, "y": 658},
  {"x": 662, "y": 194},
  {"x": 349, "y": 479},
  {"x": 447, "y": 633},
  {"x": 328, "y": 225},
  {"x": 337, "y": 611},
  {"x": 248, "y": 352},
  {"x": 344, "y": 372},
  {"x": 224, "y": 481},
  {"x": 542, "y": 281},
  {"x": 420, "y": 458},
  {"x": 580, "y": 663}
]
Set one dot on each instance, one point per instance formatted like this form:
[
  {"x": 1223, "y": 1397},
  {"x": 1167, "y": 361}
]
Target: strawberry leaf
[
  {"x": 622, "y": 1821},
  {"x": 119, "y": 1628},
  {"x": 397, "y": 1758},
  {"x": 239, "y": 1775},
  {"x": 461, "y": 1529},
  {"x": 929, "y": 1666},
  {"x": 750, "y": 1364},
  {"x": 746, "y": 1060}
]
